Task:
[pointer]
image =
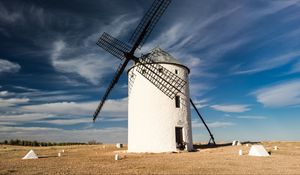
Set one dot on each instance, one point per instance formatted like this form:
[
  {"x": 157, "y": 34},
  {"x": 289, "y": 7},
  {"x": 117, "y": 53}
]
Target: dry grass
[{"x": 99, "y": 160}]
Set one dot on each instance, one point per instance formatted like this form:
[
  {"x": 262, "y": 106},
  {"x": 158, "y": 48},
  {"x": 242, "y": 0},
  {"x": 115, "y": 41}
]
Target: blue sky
[{"x": 244, "y": 58}]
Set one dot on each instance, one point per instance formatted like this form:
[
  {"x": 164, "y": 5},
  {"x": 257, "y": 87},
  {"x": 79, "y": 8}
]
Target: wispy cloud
[
  {"x": 252, "y": 117},
  {"x": 8, "y": 66},
  {"x": 12, "y": 101},
  {"x": 24, "y": 129},
  {"x": 296, "y": 67},
  {"x": 113, "y": 108},
  {"x": 198, "y": 89},
  {"x": 88, "y": 60},
  {"x": 70, "y": 121},
  {"x": 279, "y": 95},
  {"x": 234, "y": 108},
  {"x": 270, "y": 63},
  {"x": 27, "y": 117},
  {"x": 201, "y": 103},
  {"x": 7, "y": 15},
  {"x": 216, "y": 124},
  {"x": 5, "y": 93}
]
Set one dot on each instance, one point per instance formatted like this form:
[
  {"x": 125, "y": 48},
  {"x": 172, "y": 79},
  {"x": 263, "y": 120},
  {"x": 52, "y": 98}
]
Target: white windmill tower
[
  {"x": 156, "y": 122},
  {"x": 159, "y": 101}
]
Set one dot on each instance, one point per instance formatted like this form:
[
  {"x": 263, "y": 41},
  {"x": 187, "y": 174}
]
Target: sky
[{"x": 244, "y": 58}]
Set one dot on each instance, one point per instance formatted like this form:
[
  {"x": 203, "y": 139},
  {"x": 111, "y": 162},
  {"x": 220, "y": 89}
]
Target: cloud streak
[
  {"x": 8, "y": 66},
  {"x": 235, "y": 108},
  {"x": 117, "y": 108},
  {"x": 216, "y": 124},
  {"x": 279, "y": 95},
  {"x": 12, "y": 101}
]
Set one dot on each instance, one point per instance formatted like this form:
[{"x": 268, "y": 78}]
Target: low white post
[
  {"x": 117, "y": 157},
  {"x": 240, "y": 152}
]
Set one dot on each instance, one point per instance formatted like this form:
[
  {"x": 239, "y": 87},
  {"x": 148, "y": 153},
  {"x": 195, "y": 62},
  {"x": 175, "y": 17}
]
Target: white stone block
[
  {"x": 240, "y": 152},
  {"x": 119, "y": 145},
  {"x": 258, "y": 150},
  {"x": 117, "y": 157}
]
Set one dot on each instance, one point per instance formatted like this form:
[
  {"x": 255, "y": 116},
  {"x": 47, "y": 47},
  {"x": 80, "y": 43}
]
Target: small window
[
  {"x": 143, "y": 71},
  {"x": 160, "y": 70},
  {"x": 176, "y": 71},
  {"x": 177, "y": 101}
]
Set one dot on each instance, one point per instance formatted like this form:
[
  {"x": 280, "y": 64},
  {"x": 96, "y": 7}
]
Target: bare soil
[{"x": 100, "y": 159}]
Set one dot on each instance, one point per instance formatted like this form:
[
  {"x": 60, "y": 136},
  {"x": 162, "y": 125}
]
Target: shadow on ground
[{"x": 205, "y": 146}]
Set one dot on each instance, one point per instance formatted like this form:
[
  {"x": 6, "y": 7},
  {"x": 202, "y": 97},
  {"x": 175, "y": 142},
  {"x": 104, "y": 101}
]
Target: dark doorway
[{"x": 179, "y": 138}]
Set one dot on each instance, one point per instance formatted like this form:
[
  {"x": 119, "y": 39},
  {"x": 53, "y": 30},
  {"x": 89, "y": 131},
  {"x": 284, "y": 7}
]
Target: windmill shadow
[
  {"x": 48, "y": 156},
  {"x": 206, "y": 146},
  {"x": 249, "y": 142},
  {"x": 218, "y": 145}
]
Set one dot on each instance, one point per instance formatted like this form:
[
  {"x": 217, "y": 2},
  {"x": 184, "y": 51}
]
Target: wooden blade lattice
[
  {"x": 165, "y": 80},
  {"x": 113, "y": 46},
  {"x": 149, "y": 21}
]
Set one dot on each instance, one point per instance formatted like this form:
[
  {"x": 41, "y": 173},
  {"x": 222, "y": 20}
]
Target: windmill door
[{"x": 179, "y": 138}]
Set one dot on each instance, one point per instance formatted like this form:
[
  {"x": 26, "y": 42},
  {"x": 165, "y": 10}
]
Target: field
[{"x": 99, "y": 159}]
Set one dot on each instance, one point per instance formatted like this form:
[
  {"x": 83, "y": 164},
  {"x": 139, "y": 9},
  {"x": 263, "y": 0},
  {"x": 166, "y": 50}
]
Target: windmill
[{"x": 164, "y": 80}]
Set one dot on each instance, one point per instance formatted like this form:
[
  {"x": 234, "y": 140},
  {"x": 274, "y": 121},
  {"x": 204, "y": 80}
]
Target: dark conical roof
[{"x": 160, "y": 56}]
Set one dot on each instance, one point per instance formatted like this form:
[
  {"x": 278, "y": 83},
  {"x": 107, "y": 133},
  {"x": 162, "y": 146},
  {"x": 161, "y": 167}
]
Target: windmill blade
[
  {"x": 116, "y": 78},
  {"x": 148, "y": 22},
  {"x": 113, "y": 46},
  {"x": 211, "y": 136},
  {"x": 165, "y": 80}
]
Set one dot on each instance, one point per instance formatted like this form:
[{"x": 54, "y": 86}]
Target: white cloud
[
  {"x": 12, "y": 101},
  {"x": 198, "y": 89},
  {"x": 4, "y": 93},
  {"x": 9, "y": 67},
  {"x": 236, "y": 108},
  {"x": 254, "y": 117},
  {"x": 88, "y": 60},
  {"x": 68, "y": 121},
  {"x": 217, "y": 124},
  {"x": 91, "y": 66},
  {"x": 201, "y": 103},
  {"x": 27, "y": 117},
  {"x": 113, "y": 108},
  {"x": 279, "y": 95},
  {"x": 270, "y": 63},
  {"x": 22, "y": 129}
]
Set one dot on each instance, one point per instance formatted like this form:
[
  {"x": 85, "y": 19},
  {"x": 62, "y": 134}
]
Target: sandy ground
[{"x": 99, "y": 159}]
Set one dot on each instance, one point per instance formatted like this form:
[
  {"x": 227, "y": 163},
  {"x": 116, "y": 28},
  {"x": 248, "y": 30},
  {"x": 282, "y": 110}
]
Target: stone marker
[
  {"x": 30, "y": 155},
  {"x": 119, "y": 145},
  {"x": 258, "y": 150},
  {"x": 117, "y": 157}
]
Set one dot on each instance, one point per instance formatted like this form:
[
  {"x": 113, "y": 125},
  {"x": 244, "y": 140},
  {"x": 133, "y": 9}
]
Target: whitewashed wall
[{"x": 152, "y": 116}]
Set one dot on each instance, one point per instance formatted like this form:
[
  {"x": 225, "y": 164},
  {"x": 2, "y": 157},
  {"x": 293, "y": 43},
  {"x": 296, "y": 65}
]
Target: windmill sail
[
  {"x": 110, "y": 87},
  {"x": 166, "y": 81},
  {"x": 123, "y": 51},
  {"x": 114, "y": 46},
  {"x": 149, "y": 21}
]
